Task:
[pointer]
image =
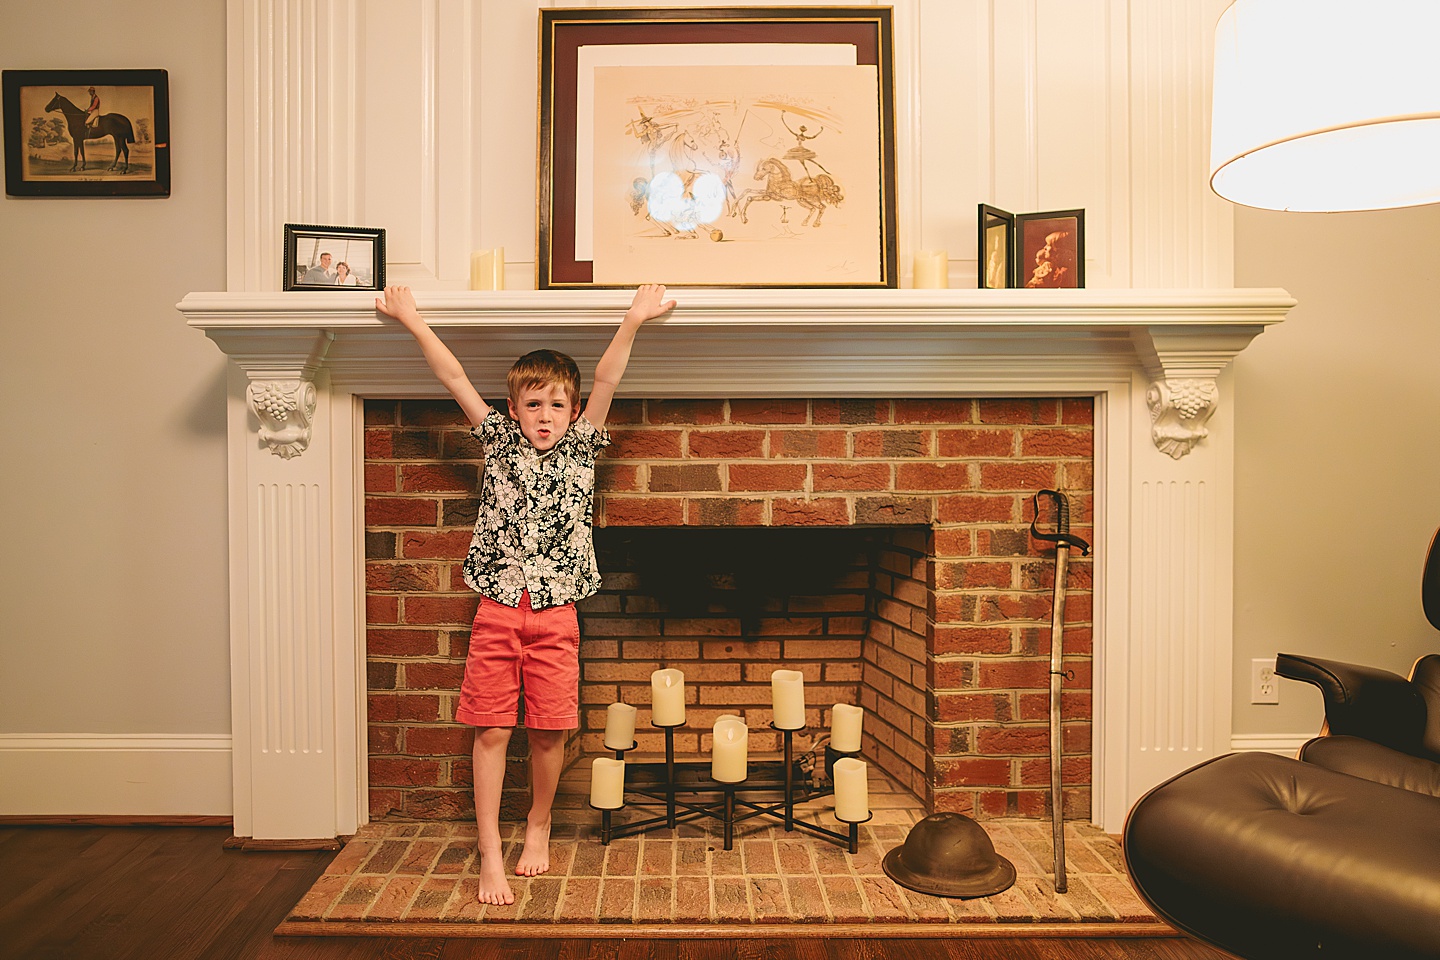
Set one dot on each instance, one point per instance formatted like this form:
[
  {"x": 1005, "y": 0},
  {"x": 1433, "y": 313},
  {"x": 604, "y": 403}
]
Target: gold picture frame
[{"x": 729, "y": 147}]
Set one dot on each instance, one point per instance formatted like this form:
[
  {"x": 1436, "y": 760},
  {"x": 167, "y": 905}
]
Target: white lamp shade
[{"x": 1326, "y": 105}]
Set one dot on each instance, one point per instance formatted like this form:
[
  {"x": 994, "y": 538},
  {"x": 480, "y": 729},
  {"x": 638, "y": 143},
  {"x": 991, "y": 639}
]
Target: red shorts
[{"x": 515, "y": 648}]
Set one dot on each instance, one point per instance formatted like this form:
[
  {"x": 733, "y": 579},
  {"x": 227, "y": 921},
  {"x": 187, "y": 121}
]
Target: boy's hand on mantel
[
  {"x": 649, "y": 303},
  {"x": 398, "y": 304}
]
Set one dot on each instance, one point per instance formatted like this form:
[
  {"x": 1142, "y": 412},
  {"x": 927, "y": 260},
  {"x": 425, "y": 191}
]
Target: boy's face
[{"x": 545, "y": 413}]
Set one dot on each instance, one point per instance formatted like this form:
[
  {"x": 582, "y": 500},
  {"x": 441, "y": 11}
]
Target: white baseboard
[
  {"x": 1284, "y": 744},
  {"x": 104, "y": 775}
]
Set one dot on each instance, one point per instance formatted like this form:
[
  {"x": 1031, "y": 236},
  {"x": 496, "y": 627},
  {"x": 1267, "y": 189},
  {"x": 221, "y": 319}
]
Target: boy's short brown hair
[{"x": 542, "y": 368}]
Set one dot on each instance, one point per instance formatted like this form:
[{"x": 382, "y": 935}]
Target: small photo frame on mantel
[
  {"x": 334, "y": 258},
  {"x": 996, "y": 238},
  {"x": 1050, "y": 249}
]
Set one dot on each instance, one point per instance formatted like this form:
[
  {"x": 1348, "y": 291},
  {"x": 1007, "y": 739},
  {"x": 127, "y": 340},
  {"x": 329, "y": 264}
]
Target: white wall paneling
[{"x": 427, "y": 127}]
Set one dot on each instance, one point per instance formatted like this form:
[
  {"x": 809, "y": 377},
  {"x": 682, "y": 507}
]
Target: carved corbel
[
  {"x": 285, "y": 409},
  {"x": 1179, "y": 409}
]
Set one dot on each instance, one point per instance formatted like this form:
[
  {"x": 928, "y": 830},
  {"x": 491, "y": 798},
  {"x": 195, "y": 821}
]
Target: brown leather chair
[{"x": 1334, "y": 854}]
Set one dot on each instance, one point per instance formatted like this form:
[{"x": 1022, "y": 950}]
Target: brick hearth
[{"x": 919, "y": 593}]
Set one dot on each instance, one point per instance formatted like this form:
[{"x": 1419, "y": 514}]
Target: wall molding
[{"x": 115, "y": 775}]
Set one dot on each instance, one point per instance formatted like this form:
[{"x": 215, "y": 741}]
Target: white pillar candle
[
  {"x": 487, "y": 269},
  {"x": 787, "y": 696},
  {"x": 852, "y": 790},
  {"x": 932, "y": 270},
  {"x": 845, "y": 724},
  {"x": 667, "y": 698},
  {"x": 730, "y": 750},
  {"x": 607, "y": 783},
  {"x": 619, "y": 726}
]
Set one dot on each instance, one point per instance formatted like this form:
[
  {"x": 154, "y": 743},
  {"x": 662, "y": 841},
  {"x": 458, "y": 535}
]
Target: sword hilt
[{"x": 1061, "y": 536}]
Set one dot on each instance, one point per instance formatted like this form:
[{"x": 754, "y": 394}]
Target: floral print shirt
[{"x": 533, "y": 532}]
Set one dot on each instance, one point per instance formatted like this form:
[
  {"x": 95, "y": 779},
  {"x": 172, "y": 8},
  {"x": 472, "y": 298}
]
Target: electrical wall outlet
[{"x": 1264, "y": 685}]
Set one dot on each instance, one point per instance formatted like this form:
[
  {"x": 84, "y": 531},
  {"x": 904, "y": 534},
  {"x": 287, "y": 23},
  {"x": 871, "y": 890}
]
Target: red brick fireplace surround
[
  {"x": 903, "y": 430},
  {"x": 932, "y": 611}
]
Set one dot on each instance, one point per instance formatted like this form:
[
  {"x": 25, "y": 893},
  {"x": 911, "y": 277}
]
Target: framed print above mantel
[
  {"x": 731, "y": 147},
  {"x": 87, "y": 133}
]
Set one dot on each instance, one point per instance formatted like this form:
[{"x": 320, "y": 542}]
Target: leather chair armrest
[
  {"x": 1363, "y": 701},
  {"x": 1372, "y": 761}
]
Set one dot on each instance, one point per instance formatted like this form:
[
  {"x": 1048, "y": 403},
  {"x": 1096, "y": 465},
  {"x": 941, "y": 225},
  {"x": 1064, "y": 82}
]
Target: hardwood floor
[{"x": 172, "y": 893}]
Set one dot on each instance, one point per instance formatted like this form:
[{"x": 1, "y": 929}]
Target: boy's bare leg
[
  {"x": 547, "y": 759},
  {"x": 489, "y": 759}
]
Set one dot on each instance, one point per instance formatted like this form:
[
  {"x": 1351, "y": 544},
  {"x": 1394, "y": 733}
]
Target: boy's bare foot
[
  {"x": 494, "y": 888},
  {"x": 535, "y": 857}
]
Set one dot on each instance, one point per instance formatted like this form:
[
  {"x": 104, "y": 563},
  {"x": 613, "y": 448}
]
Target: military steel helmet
[{"x": 949, "y": 855}]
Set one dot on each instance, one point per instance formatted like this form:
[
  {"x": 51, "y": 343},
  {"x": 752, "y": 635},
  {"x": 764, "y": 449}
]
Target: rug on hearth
[{"x": 418, "y": 879}]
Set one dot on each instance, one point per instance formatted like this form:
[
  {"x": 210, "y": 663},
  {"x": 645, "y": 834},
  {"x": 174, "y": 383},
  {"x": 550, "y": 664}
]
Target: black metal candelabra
[{"x": 687, "y": 792}]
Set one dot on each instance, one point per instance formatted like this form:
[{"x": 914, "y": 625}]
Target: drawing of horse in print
[
  {"x": 114, "y": 125},
  {"x": 812, "y": 193}
]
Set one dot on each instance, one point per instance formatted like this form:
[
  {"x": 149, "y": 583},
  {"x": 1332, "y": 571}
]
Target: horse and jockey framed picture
[
  {"x": 87, "y": 133},
  {"x": 722, "y": 147},
  {"x": 333, "y": 258}
]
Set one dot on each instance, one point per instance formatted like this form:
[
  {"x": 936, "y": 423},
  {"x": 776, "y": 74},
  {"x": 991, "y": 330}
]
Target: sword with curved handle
[{"x": 1063, "y": 541}]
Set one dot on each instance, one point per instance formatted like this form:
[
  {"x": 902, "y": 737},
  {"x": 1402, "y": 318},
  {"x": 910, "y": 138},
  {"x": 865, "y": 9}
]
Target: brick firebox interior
[{"x": 881, "y": 547}]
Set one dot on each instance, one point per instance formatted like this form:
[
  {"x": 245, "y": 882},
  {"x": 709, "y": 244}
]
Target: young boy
[{"x": 530, "y": 559}]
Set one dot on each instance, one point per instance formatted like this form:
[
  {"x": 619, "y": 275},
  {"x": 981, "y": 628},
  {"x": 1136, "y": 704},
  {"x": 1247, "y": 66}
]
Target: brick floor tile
[
  {"x": 398, "y": 830},
  {"x": 759, "y": 856},
  {"x": 359, "y": 894},
  {"x": 866, "y": 863},
  {"x": 455, "y": 858},
  {"x": 544, "y": 899},
  {"x": 508, "y": 912},
  {"x": 464, "y": 903},
  {"x": 622, "y": 858},
  {"x": 794, "y": 857},
  {"x": 806, "y": 900},
  {"x": 977, "y": 909},
  {"x": 617, "y": 900},
  {"x": 419, "y": 858},
  {"x": 1012, "y": 905},
  {"x": 831, "y": 860},
  {"x": 925, "y": 908},
  {"x": 1123, "y": 901},
  {"x": 386, "y": 857},
  {"x": 430, "y": 902},
  {"x": 561, "y": 856},
  {"x": 351, "y": 856},
  {"x": 691, "y": 858},
  {"x": 320, "y": 898},
  {"x": 1040, "y": 891},
  {"x": 657, "y": 858},
  {"x": 842, "y": 894},
  {"x": 726, "y": 863},
  {"x": 655, "y": 900},
  {"x": 394, "y": 898},
  {"x": 580, "y": 901},
  {"x": 884, "y": 899},
  {"x": 767, "y": 897},
  {"x": 731, "y": 899},
  {"x": 589, "y": 860},
  {"x": 441, "y": 829},
  {"x": 1084, "y": 901},
  {"x": 692, "y": 899}
]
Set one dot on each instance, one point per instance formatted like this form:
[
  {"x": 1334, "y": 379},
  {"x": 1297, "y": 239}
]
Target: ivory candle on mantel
[
  {"x": 667, "y": 698},
  {"x": 852, "y": 790},
  {"x": 730, "y": 750},
  {"x": 619, "y": 726},
  {"x": 845, "y": 724},
  {"x": 932, "y": 270},
  {"x": 787, "y": 697},
  {"x": 607, "y": 783},
  {"x": 487, "y": 269}
]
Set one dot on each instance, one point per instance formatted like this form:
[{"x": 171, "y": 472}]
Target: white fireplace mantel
[
  {"x": 1154, "y": 361},
  {"x": 780, "y": 343}
]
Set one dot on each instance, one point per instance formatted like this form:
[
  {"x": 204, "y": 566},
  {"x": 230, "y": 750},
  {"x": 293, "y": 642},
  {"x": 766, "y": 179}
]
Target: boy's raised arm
[
  {"x": 648, "y": 304},
  {"x": 399, "y": 304}
]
